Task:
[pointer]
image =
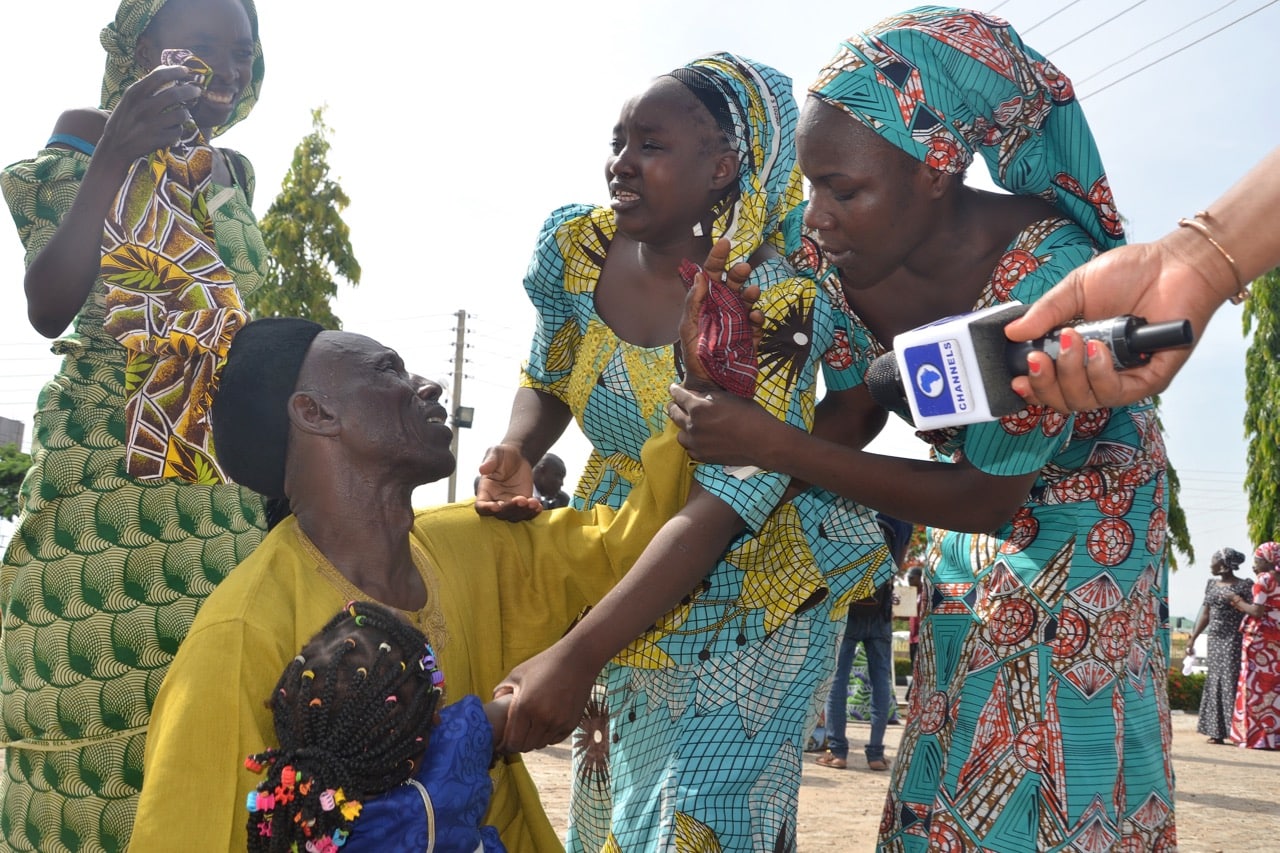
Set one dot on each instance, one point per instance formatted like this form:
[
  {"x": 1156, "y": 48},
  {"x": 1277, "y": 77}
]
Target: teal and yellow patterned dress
[
  {"x": 696, "y": 738},
  {"x": 694, "y": 734},
  {"x": 104, "y": 572}
]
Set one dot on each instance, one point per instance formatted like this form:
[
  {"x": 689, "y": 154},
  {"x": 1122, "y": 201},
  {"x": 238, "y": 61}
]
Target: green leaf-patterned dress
[{"x": 104, "y": 573}]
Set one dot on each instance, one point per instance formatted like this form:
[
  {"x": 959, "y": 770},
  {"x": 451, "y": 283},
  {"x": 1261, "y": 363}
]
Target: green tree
[
  {"x": 1179, "y": 535},
  {"x": 308, "y": 242},
  {"x": 1262, "y": 408},
  {"x": 13, "y": 465}
]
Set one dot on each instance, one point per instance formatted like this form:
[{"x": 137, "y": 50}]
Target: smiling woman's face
[{"x": 218, "y": 32}]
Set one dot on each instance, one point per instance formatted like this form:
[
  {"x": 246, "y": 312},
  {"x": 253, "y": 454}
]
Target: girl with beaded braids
[
  {"x": 367, "y": 760},
  {"x": 107, "y": 567}
]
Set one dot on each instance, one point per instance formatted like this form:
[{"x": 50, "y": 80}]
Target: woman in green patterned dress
[{"x": 106, "y": 570}]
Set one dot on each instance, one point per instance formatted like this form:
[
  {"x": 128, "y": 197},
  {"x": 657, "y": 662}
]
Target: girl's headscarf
[
  {"x": 1269, "y": 551},
  {"x": 1229, "y": 557},
  {"x": 120, "y": 38},
  {"x": 754, "y": 106},
  {"x": 943, "y": 83}
]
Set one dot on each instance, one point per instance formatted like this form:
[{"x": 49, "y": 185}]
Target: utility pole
[{"x": 456, "y": 421}]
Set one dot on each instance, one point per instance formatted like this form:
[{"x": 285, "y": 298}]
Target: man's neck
[{"x": 368, "y": 543}]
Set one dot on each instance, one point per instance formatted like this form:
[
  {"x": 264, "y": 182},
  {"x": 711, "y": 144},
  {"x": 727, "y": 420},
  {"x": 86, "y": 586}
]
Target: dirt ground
[{"x": 1226, "y": 796}]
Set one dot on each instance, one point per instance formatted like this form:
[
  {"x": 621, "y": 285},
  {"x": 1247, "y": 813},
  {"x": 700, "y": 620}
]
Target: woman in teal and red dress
[{"x": 1039, "y": 715}]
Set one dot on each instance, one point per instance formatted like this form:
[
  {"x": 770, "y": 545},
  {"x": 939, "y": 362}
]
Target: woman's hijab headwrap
[
  {"x": 943, "y": 83},
  {"x": 120, "y": 39},
  {"x": 1270, "y": 552},
  {"x": 753, "y": 105},
  {"x": 1229, "y": 557}
]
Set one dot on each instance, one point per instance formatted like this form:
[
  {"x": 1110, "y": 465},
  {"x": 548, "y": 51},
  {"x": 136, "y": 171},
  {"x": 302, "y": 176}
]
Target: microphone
[{"x": 960, "y": 367}]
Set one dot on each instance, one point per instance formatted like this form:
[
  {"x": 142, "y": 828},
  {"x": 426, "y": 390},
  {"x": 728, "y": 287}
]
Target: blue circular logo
[{"x": 930, "y": 380}]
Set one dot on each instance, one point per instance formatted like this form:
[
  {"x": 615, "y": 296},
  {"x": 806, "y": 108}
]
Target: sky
[{"x": 455, "y": 134}]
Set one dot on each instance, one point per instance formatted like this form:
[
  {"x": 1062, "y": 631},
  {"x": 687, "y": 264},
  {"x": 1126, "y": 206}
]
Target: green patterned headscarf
[
  {"x": 754, "y": 106},
  {"x": 120, "y": 39},
  {"x": 943, "y": 84}
]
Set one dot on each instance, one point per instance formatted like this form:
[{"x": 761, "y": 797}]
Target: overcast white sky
[{"x": 458, "y": 127}]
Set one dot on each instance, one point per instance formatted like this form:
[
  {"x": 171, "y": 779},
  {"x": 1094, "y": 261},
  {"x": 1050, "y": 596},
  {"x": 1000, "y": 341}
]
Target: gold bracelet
[{"x": 1194, "y": 223}]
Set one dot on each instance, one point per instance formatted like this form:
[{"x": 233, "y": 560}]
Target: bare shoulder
[{"x": 83, "y": 123}]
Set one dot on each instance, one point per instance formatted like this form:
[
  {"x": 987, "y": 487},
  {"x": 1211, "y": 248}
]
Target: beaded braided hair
[{"x": 352, "y": 715}]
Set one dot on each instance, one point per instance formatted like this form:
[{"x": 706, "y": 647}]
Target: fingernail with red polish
[
  {"x": 1094, "y": 350},
  {"x": 1033, "y": 366},
  {"x": 1064, "y": 342}
]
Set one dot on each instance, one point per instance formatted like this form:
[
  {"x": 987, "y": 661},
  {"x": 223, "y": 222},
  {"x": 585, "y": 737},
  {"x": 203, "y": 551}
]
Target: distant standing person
[
  {"x": 871, "y": 624},
  {"x": 1222, "y": 622},
  {"x": 1256, "y": 721},
  {"x": 548, "y": 482}
]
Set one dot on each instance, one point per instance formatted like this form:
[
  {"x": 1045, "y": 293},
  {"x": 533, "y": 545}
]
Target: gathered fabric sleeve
[
  {"x": 1025, "y": 441},
  {"x": 455, "y": 775},
  {"x": 39, "y": 193},
  {"x": 844, "y": 353},
  {"x": 209, "y": 715},
  {"x": 526, "y": 583},
  {"x": 558, "y": 329}
]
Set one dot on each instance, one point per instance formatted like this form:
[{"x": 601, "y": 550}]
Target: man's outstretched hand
[{"x": 505, "y": 489}]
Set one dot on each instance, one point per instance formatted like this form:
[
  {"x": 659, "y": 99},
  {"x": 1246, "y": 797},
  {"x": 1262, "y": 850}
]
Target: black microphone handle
[{"x": 1130, "y": 340}]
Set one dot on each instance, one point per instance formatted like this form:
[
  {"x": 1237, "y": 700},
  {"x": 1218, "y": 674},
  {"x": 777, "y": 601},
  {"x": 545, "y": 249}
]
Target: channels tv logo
[
  {"x": 938, "y": 384},
  {"x": 930, "y": 380}
]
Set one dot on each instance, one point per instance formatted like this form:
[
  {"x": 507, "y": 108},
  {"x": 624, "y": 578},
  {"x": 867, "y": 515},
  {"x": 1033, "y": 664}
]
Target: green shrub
[{"x": 1185, "y": 690}]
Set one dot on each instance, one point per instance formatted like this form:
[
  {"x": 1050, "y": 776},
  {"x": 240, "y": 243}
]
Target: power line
[
  {"x": 1026, "y": 30},
  {"x": 1181, "y": 49},
  {"x": 1150, "y": 44},
  {"x": 1094, "y": 29}
]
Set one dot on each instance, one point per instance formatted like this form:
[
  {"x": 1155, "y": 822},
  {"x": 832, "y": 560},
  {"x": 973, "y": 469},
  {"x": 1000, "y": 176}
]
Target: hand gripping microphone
[{"x": 958, "y": 369}]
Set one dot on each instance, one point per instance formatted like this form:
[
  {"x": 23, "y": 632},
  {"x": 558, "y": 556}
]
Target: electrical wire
[
  {"x": 1095, "y": 28},
  {"x": 1151, "y": 44},
  {"x": 1180, "y": 50},
  {"x": 1065, "y": 7}
]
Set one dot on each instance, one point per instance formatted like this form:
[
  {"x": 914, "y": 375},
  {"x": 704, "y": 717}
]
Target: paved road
[{"x": 1228, "y": 798}]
